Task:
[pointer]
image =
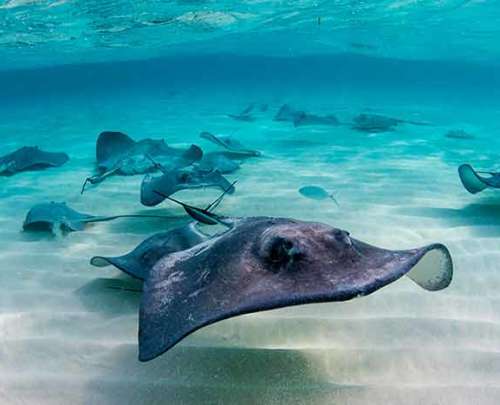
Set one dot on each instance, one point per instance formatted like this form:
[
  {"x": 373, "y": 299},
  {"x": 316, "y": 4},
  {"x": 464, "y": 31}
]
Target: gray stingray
[
  {"x": 379, "y": 123},
  {"x": 139, "y": 261},
  {"x": 175, "y": 180},
  {"x": 118, "y": 154},
  {"x": 458, "y": 134},
  {"x": 218, "y": 161},
  {"x": 300, "y": 118},
  {"x": 245, "y": 115},
  {"x": 229, "y": 143},
  {"x": 58, "y": 217},
  {"x": 30, "y": 158},
  {"x": 474, "y": 182},
  {"x": 265, "y": 263},
  {"x": 316, "y": 193}
]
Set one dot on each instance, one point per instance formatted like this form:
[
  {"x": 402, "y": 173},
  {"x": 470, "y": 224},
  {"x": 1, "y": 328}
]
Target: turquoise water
[{"x": 174, "y": 69}]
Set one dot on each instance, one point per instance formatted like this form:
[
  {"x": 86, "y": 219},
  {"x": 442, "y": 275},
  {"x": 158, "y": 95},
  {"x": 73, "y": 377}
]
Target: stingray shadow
[
  {"x": 111, "y": 296},
  {"x": 482, "y": 218},
  {"x": 209, "y": 375}
]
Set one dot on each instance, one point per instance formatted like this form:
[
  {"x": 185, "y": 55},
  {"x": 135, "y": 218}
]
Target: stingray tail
[
  {"x": 98, "y": 178},
  {"x": 121, "y": 288},
  {"x": 111, "y": 218},
  {"x": 334, "y": 199},
  {"x": 157, "y": 165},
  {"x": 214, "y": 204}
]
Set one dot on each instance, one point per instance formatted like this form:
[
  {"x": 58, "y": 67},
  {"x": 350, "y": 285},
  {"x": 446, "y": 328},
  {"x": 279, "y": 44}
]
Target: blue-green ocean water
[{"x": 71, "y": 69}]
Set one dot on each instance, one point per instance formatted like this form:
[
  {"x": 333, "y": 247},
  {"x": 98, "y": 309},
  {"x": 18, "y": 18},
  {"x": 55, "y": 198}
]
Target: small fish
[{"x": 316, "y": 193}]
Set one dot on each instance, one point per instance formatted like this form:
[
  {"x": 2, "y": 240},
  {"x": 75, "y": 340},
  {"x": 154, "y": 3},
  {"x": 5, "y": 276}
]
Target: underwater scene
[{"x": 250, "y": 202}]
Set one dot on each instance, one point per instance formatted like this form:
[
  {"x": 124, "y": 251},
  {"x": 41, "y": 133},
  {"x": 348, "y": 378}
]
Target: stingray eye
[
  {"x": 282, "y": 252},
  {"x": 342, "y": 237}
]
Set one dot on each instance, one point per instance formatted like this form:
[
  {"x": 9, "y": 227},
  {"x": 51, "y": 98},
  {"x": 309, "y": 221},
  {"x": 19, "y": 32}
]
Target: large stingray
[
  {"x": 175, "y": 180},
  {"x": 300, "y": 118},
  {"x": 264, "y": 263},
  {"x": 474, "y": 182},
  {"x": 30, "y": 158},
  {"x": 232, "y": 145},
  {"x": 58, "y": 217},
  {"x": 379, "y": 123},
  {"x": 118, "y": 154},
  {"x": 139, "y": 261}
]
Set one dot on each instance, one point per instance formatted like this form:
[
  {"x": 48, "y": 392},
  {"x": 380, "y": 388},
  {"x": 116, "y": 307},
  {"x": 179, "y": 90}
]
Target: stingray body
[
  {"x": 265, "y": 263},
  {"x": 58, "y": 217},
  {"x": 474, "y": 181},
  {"x": 301, "y": 118},
  {"x": 118, "y": 154},
  {"x": 229, "y": 143},
  {"x": 375, "y": 123},
  {"x": 30, "y": 158},
  {"x": 173, "y": 181},
  {"x": 219, "y": 161},
  {"x": 139, "y": 261}
]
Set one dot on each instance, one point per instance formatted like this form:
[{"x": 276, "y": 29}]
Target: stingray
[
  {"x": 245, "y": 115},
  {"x": 229, "y": 143},
  {"x": 176, "y": 180},
  {"x": 316, "y": 193},
  {"x": 58, "y": 217},
  {"x": 218, "y": 161},
  {"x": 30, "y": 158},
  {"x": 300, "y": 118},
  {"x": 139, "y": 261},
  {"x": 458, "y": 134},
  {"x": 118, "y": 154},
  {"x": 379, "y": 123},
  {"x": 474, "y": 182},
  {"x": 264, "y": 263},
  {"x": 285, "y": 113}
]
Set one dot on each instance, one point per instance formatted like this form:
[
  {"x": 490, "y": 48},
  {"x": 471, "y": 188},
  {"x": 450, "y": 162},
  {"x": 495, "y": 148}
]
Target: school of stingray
[{"x": 218, "y": 266}]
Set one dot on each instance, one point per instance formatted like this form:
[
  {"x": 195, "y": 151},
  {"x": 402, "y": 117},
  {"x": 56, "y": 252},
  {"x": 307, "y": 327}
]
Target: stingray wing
[
  {"x": 111, "y": 146},
  {"x": 46, "y": 159},
  {"x": 473, "y": 182},
  {"x": 200, "y": 286},
  {"x": 139, "y": 261},
  {"x": 30, "y": 158}
]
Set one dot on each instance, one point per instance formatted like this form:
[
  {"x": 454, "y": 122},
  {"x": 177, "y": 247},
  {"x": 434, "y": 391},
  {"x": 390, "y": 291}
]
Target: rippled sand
[{"x": 66, "y": 338}]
